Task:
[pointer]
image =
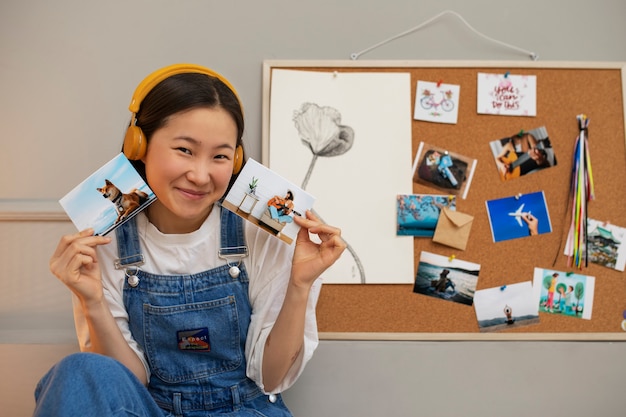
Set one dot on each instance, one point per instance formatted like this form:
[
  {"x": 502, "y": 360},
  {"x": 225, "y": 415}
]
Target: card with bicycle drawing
[{"x": 437, "y": 102}]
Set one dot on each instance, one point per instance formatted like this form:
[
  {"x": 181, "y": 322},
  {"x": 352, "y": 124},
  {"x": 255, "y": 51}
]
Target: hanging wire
[{"x": 354, "y": 56}]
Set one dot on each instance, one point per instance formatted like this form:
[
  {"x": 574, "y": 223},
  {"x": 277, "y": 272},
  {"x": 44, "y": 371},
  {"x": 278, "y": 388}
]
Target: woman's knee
[
  {"x": 81, "y": 369},
  {"x": 93, "y": 381},
  {"x": 88, "y": 364}
]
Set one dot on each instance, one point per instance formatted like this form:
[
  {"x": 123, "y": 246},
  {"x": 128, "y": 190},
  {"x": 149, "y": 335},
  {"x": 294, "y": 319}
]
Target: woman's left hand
[{"x": 311, "y": 258}]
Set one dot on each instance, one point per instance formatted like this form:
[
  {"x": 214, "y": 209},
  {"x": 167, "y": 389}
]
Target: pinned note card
[
  {"x": 507, "y": 95},
  {"x": 437, "y": 102}
]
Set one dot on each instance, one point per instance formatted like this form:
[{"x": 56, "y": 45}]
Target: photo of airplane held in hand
[
  {"x": 518, "y": 214},
  {"x": 502, "y": 209}
]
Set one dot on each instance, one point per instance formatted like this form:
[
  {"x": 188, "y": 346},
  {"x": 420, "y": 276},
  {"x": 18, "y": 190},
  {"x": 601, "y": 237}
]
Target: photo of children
[
  {"x": 523, "y": 153},
  {"x": 506, "y": 307},
  {"x": 444, "y": 170},
  {"x": 417, "y": 214},
  {"x": 447, "y": 279},
  {"x": 518, "y": 216},
  {"x": 566, "y": 294}
]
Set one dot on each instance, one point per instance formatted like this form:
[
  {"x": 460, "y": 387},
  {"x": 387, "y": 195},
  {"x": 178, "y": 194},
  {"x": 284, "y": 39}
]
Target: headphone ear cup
[
  {"x": 134, "y": 143},
  {"x": 238, "y": 160}
]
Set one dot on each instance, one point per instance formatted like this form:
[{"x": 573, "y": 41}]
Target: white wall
[{"x": 67, "y": 72}]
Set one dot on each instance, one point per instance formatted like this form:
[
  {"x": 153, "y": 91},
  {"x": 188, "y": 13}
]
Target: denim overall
[{"x": 193, "y": 330}]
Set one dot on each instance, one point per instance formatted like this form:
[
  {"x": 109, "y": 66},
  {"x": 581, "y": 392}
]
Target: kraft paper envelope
[{"x": 453, "y": 228}]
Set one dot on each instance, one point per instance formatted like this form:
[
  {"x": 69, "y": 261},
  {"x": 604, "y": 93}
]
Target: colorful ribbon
[{"x": 581, "y": 192}]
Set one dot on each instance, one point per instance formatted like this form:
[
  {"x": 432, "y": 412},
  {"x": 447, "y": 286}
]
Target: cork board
[{"x": 564, "y": 90}]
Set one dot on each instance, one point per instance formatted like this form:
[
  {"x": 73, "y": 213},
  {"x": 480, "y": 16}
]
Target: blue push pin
[{"x": 624, "y": 321}]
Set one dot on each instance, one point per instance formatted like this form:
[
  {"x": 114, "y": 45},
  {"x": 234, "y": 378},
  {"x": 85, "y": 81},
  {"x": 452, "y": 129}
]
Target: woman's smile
[{"x": 192, "y": 194}]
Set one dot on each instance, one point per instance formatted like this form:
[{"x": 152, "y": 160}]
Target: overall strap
[
  {"x": 232, "y": 237},
  {"x": 128, "y": 248}
]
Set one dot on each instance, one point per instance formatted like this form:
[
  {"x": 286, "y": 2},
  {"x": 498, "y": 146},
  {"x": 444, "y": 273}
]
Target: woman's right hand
[{"x": 75, "y": 264}]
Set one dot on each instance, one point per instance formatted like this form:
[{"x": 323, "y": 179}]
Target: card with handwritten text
[{"x": 507, "y": 95}]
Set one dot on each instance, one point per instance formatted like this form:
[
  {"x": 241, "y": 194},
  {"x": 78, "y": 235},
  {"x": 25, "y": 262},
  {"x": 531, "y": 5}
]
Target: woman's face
[{"x": 189, "y": 163}]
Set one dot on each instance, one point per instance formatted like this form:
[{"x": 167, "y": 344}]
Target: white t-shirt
[{"x": 268, "y": 264}]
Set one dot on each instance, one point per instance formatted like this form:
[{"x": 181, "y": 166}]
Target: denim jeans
[{"x": 92, "y": 385}]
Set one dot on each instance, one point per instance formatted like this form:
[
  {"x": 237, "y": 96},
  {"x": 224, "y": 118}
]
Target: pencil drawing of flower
[{"x": 320, "y": 129}]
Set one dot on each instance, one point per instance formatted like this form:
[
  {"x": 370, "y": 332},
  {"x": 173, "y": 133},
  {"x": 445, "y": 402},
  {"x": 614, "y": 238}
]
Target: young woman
[{"x": 188, "y": 310}]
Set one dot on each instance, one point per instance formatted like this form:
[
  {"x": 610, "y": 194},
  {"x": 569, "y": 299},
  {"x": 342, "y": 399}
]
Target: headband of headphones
[
  {"x": 159, "y": 75},
  {"x": 135, "y": 143}
]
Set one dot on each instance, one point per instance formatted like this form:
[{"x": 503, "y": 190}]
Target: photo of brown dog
[
  {"x": 87, "y": 209},
  {"x": 125, "y": 203}
]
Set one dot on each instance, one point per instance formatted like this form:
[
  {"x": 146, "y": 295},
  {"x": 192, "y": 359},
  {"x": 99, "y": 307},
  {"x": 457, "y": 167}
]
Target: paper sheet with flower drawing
[
  {"x": 506, "y": 94},
  {"x": 346, "y": 138}
]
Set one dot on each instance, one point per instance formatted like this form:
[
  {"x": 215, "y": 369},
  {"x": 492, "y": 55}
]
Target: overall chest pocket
[{"x": 192, "y": 341}]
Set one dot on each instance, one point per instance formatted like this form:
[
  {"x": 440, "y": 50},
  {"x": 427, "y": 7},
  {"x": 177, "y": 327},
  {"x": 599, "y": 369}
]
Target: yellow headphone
[{"x": 135, "y": 143}]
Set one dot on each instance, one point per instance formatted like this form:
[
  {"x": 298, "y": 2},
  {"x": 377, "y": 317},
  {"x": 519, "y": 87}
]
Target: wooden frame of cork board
[{"x": 564, "y": 90}]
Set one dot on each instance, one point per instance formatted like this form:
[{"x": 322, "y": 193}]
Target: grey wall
[
  {"x": 67, "y": 72},
  {"x": 68, "y": 67},
  {"x": 454, "y": 379}
]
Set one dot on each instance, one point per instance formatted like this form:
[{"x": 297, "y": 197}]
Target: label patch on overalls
[{"x": 196, "y": 340}]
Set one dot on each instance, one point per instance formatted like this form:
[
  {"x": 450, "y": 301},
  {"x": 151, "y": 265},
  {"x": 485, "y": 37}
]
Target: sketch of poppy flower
[{"x": 320, "y": 129}]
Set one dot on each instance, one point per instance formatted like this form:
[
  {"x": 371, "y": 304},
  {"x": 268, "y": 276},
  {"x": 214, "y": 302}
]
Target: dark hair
[{"x": 185, "y": 92}]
